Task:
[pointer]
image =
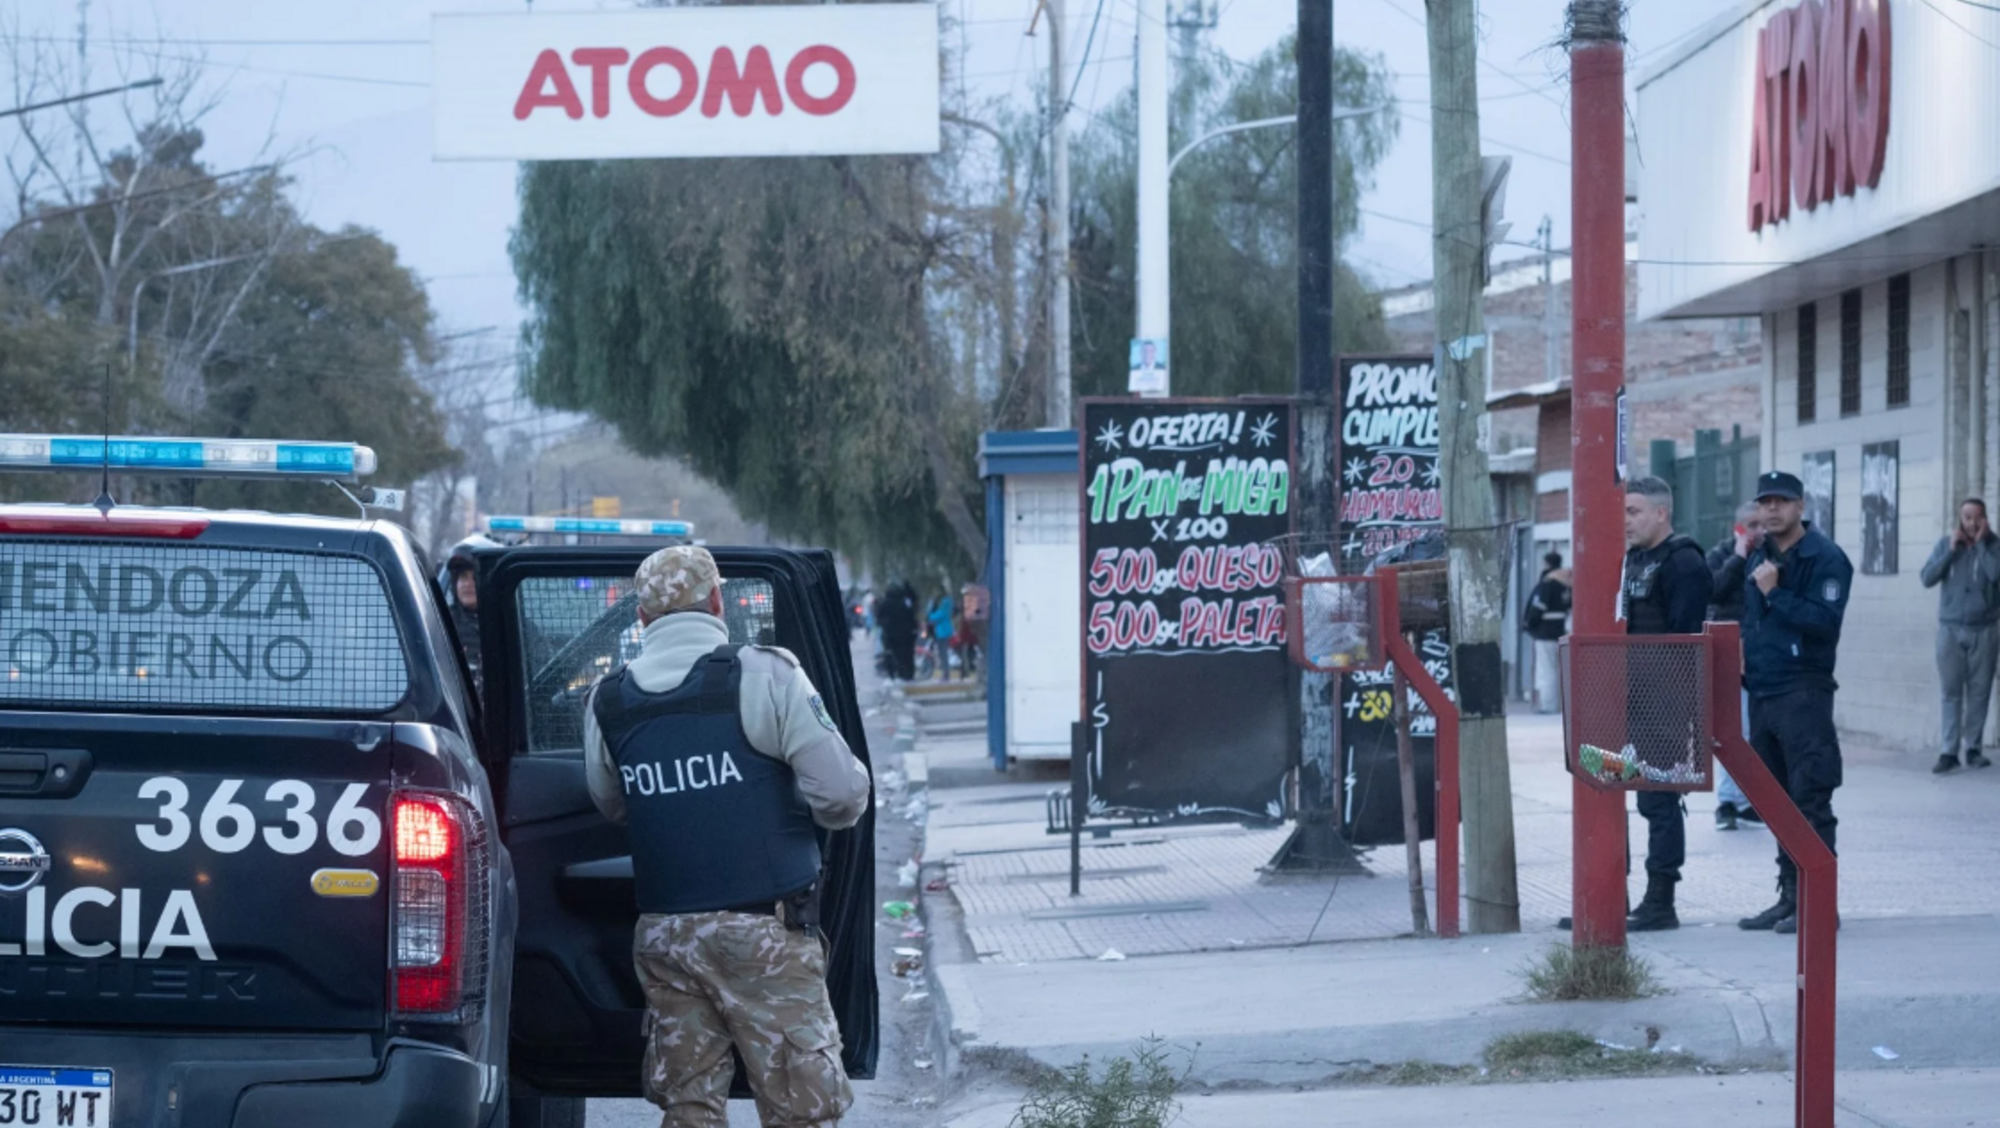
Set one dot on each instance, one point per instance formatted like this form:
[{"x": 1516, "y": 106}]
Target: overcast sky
[{"x": 351, "y": 80}]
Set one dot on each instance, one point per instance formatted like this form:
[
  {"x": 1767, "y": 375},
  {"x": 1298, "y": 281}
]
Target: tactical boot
[
  {"x": 1790, "y": 925},
  {"x": 1656, "y": 912},
  {"x": 1786, "y": 909}
]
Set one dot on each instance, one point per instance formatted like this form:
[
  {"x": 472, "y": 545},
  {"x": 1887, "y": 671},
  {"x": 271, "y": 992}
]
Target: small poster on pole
[{"x": 1148, "y": 368}]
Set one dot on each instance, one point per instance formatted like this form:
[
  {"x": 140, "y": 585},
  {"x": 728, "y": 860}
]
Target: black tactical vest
[
  {"x": 1646, "y": 605},
  {"x": 714, "y": 824}
]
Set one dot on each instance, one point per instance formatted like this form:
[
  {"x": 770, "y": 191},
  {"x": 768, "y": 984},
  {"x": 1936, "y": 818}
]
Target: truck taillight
[{"x": 437, "y": 925}]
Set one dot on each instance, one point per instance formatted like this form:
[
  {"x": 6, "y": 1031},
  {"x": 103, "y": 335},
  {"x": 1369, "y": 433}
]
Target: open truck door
[{"x": 553, "y": 620}]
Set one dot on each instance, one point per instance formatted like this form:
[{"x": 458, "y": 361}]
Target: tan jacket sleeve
[
  {"x": 598, "y": 769},
  {"x": 791, "y": 723}
]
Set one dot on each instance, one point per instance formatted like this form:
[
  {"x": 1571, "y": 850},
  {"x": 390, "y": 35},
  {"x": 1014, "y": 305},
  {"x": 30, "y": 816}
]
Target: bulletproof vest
[
  {"x": 1645, "y": 592},
  {"x": 714, "y": 824}
]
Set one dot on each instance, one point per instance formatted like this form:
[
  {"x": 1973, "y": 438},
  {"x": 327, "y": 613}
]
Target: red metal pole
[
  {"x": 1597, "y": 321},
  {"x": 1444, "y": 747}
]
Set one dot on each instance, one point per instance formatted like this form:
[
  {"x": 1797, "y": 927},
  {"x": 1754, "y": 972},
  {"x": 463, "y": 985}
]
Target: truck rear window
[{"x": 110, "y": 624}]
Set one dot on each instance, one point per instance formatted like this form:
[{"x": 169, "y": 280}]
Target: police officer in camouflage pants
[{"x": 721, "y": 759}]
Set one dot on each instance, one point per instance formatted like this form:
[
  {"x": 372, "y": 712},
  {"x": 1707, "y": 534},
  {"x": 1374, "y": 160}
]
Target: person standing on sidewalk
[
  {"x": 1793, "y": 603},
  {"x": 1666, "y": 591},
  {"x": 1546, "y": 619},
  {"x": 1727, "y": 562},
  {"x": 1965, "y": 568}
]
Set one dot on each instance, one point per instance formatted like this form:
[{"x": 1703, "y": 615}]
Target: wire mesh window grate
[
  {"x": 99, "y": 624},
  {"x": 577, "y": 629},
  {"x": 1850, "y": 353},
  {"x": 1899, "y": 341},
  {"x": 1808, "y": 362}
]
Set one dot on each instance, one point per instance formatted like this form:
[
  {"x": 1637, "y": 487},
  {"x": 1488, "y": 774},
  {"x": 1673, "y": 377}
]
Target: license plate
[{"x": 34, "y": 1096}]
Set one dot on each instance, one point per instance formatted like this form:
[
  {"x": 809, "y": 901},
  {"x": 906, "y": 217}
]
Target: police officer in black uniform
[
  {"x": 1793, "y": 602},
  {"x": 1666, "y": 591}
]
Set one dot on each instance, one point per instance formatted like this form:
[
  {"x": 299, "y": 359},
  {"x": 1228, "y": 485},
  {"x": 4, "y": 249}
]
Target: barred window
[
  {"x": 1899, "y": 341},
  {"x": 1808, "y": 362},
  {"x": 100, "y": 624},
  {"x": 577, "y": 629},
  {"x": 1850, "y": 353}
]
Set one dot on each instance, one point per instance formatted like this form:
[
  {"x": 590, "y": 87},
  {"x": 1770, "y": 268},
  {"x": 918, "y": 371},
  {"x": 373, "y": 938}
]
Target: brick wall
[{"x": 1681, "y": 376}]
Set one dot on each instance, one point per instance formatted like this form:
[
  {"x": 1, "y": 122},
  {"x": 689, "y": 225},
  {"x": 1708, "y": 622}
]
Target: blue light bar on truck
[
  {"x": 589, "y": 526},
  {"x": 208, "y": 458}
]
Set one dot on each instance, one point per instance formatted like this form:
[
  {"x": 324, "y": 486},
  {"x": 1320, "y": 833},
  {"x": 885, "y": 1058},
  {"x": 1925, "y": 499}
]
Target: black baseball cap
[{"x": 1780, "y": 484}]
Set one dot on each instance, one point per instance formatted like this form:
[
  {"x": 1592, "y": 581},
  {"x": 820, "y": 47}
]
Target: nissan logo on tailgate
[{"x": 23, "y": 862}]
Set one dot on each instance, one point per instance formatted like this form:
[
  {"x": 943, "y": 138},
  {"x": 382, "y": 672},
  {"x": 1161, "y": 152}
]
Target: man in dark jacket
[
  {"x": 464, "y": 602},
  {"x": 1965, "y": 568},
  {"x": 1667, "y": 586},
  {"x": 1546, "y": 619},
  {"x": 1793, "y": 604},
  {"x": 896, "y": 618}
]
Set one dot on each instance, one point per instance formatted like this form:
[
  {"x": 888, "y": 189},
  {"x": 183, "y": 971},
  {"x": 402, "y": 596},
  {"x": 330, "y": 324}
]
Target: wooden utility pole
[{"x": 1477, "y": 548}]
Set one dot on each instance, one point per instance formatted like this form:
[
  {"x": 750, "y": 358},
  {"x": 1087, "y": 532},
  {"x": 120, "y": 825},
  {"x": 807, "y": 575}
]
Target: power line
[
  {"x": 1946, "y": 17},
  {"x": 1420, "y": 22},
  {"x": 1496, "y": 143}
]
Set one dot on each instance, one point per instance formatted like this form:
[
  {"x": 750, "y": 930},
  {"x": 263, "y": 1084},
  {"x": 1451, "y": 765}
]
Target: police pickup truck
[{"x": 266, "y": 859}]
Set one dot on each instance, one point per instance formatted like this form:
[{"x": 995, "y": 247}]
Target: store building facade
[{"x": 1832, "y": 168}]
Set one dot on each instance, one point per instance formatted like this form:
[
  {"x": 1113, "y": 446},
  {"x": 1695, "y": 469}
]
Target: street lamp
[{"x": 1158, "y": 261}]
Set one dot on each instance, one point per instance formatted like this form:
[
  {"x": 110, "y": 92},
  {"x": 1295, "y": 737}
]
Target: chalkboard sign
[
  {"x": 1188, "y": 692},
  {"x": 1391, "y": 496}
]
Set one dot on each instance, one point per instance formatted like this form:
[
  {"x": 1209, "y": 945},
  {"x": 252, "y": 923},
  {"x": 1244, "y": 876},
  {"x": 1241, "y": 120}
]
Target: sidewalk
[
  {"x": 1878, "y": 1099},
  {"x": 1911, "y": 845},
  {"x": 1015, "y": 967}
]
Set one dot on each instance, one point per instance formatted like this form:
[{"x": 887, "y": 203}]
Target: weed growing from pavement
[
  {"x": 1557, "y": 1054},
  {"x": 1136, "y": 1092},
  {"x": 1564, "y": 973},
  {"x": 1551, "y": 1055}
]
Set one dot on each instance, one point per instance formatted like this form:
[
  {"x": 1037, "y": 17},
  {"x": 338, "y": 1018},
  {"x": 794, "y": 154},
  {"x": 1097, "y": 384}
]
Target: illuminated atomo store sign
[{"x": 1822, "y": 106}]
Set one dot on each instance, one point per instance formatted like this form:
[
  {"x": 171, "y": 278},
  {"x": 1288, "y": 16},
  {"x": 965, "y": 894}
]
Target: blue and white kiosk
[{"x": 1034, "y": 662}]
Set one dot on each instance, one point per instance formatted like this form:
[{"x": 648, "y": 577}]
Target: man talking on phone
[
  {"x": 1965, "y": 568},
  {"x": 1793, "y": 603}
]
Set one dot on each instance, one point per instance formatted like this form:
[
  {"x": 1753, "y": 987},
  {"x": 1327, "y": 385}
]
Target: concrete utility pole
[
  {"x": 1477, "y": 549},
  {"x": 1058, "y": 249},
  {"x": 1597, "y": 369},
  {"x": 1154, "y": 92}
]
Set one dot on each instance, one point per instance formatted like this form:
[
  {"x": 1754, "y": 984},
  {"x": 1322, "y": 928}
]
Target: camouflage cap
[{"x": 676, "y": 579}]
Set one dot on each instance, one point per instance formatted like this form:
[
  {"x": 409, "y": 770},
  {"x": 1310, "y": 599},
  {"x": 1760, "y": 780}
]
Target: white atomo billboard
[{"x": 759, "y": 81}]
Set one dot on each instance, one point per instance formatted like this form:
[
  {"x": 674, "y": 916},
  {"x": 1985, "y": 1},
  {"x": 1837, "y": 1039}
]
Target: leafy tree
[
  {"x": 771, "y": 322},
  {"x": 1234, "y": 210},
  {"x": 324, "y": 349},
  {"x": 141, "y": 292}
]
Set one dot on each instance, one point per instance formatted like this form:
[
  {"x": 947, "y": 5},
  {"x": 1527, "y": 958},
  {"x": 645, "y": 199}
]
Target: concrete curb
[
  {"x": 1723, "y": 1027},
  {"x": 1704, "y": 1026}
]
